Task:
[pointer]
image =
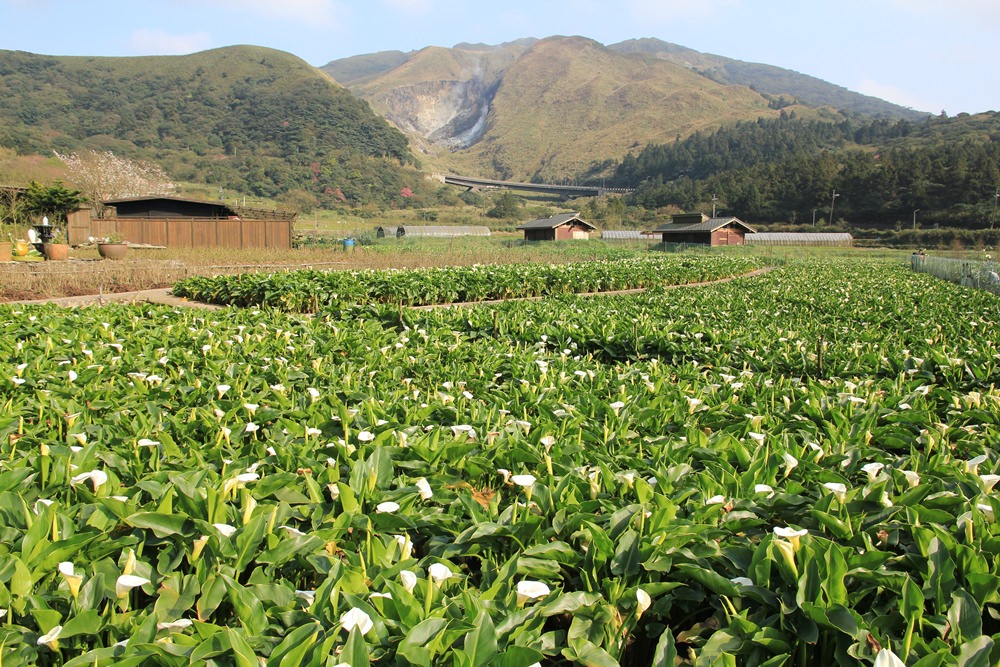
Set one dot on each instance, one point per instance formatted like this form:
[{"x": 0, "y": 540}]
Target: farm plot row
[
  {"x": 787, "y": 469},
  {"x": 309, "y": 290}
]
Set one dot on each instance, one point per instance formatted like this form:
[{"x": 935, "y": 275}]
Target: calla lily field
[{"x": 796, "y": 467}]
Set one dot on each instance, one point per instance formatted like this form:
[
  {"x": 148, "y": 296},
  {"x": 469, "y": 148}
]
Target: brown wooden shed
[
  {"x": 709, "y": 231},
  {"x": 179, "y": 222},
  {"x": 561, "y": 227}
]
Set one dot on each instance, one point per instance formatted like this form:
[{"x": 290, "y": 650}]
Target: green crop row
[
  {"x": 790, "y": 469},
  {"x": 310, "y": 290}
]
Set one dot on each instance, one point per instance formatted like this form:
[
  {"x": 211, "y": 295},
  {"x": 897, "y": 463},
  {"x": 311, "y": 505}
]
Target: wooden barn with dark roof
[
  {"x": 179, "y": 222},
  {"x": 699, "y": 229},
  {"x": 561, "y": 227}
]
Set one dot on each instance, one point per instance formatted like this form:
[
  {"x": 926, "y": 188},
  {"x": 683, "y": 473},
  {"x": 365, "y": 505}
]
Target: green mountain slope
[
  {"x": 245, "y": 118},
  {"x": 563, "y": 107},
  {"x": 569, "y": 102},
  {"x": 356, "y": 69},
  {"x": 767, "y": 79}
]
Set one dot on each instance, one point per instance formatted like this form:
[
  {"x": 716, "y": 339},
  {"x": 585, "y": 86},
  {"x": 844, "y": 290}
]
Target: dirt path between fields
[
  {"x": 465, "y": 304},
  {"x": 163, "y": 296},
  {"x": 159, "y": 296}
]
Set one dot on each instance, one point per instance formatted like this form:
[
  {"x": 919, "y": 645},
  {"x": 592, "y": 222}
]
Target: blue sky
[{"x": 931, "y": 55}]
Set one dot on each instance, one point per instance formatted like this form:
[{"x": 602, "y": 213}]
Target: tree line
[{"x": 942, "y": 171}]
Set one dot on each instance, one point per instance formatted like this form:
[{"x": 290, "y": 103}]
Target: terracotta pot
[
  {"x": 56, "y": 252},
  {"x": 5, "y": 251},
  {"x": 112, "y": 250}
]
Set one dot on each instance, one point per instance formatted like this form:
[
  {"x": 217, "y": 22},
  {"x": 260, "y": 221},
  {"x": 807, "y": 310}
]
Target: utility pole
[
  {"x": 715, "y": 199},
  {"x": 993, "y": 217},
  {"x": 915, "y": 217},
  {"x": 832, "y": 200},
  {"x": 814, "y": 216}
]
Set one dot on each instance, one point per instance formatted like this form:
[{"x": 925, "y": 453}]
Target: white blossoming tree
[{"x": 104, "y": 175}]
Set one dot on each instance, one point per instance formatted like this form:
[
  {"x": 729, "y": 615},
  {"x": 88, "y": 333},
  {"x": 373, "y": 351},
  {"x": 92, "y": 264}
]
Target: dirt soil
[{"x": 160, "y": 296}]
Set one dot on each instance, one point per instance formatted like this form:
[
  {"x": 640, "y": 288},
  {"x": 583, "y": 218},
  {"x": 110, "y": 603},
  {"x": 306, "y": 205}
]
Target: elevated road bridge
[{"x": 569, "y": 191}]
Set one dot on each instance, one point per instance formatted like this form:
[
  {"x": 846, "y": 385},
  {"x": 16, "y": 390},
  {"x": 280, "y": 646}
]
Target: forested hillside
[
  {"x": 947, "y": 169},
  {"x": 244, "y": 119}
]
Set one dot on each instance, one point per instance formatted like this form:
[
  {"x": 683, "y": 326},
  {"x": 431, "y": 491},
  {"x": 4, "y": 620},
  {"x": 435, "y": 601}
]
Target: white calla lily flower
[
  {"x": 643, "y": 602},
  {"x": 524, "y": 481},
  {"x": 837, "y": 489},
  {"x": 530, "y": 590},
  {"x": 173, "y": 626},
  {"x": 791, "y": 534},
  {"x": 989, "y": 481},
  {"x": 73, "y": 580},
  {"x": 887, "y": 658},
  {"x": 127, "y": 582},
  {"x": 439, "y": 572},
  {"x": 356, "y": 618},
  {"x": 50, "y": 638},
  {"x": 225, "y": 529},
  {"x": 873, "y": 470},
  {"x": 972, "y": 465},
  {"x": 424, "y": 488},
  {"x": 97, "y": 477},
  {"x": 790, "y": 463},
  {"x": 408, "y": 579}
]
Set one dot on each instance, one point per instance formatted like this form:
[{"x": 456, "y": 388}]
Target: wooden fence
[{"x": 185, "y": 232}]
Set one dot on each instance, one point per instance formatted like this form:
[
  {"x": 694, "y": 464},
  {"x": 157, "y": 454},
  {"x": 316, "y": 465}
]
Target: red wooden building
[
  {"x": 699, "y": 229},
  {"x": 561, "y": 227}
]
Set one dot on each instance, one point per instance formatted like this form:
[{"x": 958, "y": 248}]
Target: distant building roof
[
  {"x": 224, "y": 208},
  {"x": 442, "y": 230},
  {"x": 556, "y": 221},
  {"x": 625, "y": 234},
  {"x": 709, "y": 225},
  {"x": 800, "y": 238}
]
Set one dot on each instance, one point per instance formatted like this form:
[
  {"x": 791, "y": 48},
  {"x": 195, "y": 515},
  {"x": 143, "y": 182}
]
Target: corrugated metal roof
[
  {"x": 625, "y": 234},
  {"x": 799, "y": 238},
  {"x": 441, "y": 230},
  {"x": 555, "y": 221},
  {"x": 709, "y": 225}
]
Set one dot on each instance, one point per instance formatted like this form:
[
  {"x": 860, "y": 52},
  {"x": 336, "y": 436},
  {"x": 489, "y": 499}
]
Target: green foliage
[
  {"x": 783, "y": 169},
  {"x": 507, "y": 206},
  {"x": 242, "y": 118},
  {"x": 54, "y": 201},
  {"x": 785, "y": 469},
  {"x": 304, "y": 291}
]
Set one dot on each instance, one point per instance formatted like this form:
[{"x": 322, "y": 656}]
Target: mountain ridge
[{"x": 497, "y": 111}]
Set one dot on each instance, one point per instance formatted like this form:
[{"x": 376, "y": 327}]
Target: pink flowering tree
[{"x": 102, "y": 175}]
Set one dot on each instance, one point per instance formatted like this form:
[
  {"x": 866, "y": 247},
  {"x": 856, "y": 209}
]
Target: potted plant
[
  {"x": 56, "y": 249},
  {"x": 112, "y": 246}
]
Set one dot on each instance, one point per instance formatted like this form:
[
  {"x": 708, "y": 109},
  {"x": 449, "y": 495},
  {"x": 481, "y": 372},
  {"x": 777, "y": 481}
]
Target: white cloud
[
  {"x": 160, "y": 43},
  {"x": 412, "y": 7},
  {"x": 666, "y": 11},
  {"x": 895, "y": 95}
]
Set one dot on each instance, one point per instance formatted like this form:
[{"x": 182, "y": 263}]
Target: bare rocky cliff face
[
  {"x": 440, "y": 96},
  {"x": 449, "y": 114}
]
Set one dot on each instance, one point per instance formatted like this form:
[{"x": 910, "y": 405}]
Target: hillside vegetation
[
  {"x": 782, "y": 84},
  {"x": 248, "y": 119},
  {"x": 945, "y": 169}
]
